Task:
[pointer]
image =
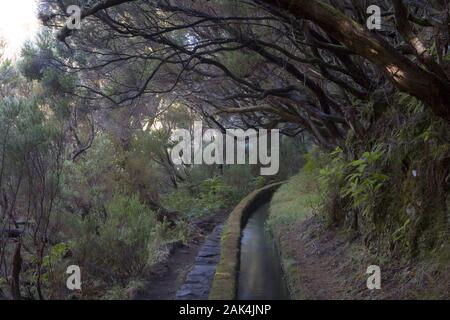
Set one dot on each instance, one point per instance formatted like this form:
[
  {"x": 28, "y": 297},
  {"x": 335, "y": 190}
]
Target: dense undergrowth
[
  {"x": 394, "y": 191},
  {"x": 102, "y": 211},
  {"x": 387, "y": 191},
  {"x": 213, "y": 193}
]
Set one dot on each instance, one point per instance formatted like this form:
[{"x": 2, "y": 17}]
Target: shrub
[
  {"x": 116, "y": 244},
  {"x": 212, "y": 194},
  {"x": 126, "y": 235}
]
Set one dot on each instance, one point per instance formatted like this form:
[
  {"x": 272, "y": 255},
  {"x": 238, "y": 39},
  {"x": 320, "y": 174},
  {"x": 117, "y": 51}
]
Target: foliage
[
  {"x": 358, "y": 179},
  {"x": 125, "y": 236},
  {"x": 90, "y": 182},
  {"x": 212, "y": 194},
  {"x": 393, "y": 194},
  {"x": 86, "y": 125},
  {"x": 294, "y": 201},
  {"x": 120, "y": 243},
  {"x": 363, "y": 183}
]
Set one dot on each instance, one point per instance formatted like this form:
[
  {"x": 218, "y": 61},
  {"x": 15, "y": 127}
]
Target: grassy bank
[{"x": 292, "y": 204}]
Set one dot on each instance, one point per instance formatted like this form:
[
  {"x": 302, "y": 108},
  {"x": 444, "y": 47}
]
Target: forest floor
[
  {"x": 323, "y": 264},
  {"x": 165, "y": 278}
]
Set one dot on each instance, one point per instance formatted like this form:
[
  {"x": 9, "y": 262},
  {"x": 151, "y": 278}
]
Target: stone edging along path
[
  {"x": 225, "y": 283},
  {"x": 198, "y": 281}
]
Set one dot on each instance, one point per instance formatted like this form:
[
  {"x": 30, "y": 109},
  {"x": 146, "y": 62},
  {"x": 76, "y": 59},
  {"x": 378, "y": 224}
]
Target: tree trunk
[{"x": 16, "y": 269}]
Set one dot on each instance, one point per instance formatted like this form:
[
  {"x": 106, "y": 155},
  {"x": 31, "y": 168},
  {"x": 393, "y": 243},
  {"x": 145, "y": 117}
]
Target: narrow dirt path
[
  {"x": 327, "y": 264},
  {"x": 167, "y": 277}
]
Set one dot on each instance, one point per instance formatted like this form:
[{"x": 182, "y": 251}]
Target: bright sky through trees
[{"x": 18, "y": 23}]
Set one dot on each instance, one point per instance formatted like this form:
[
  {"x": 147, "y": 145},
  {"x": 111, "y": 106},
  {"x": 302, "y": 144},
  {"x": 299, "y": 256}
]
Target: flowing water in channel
[{"x": 260, "y": 275}]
